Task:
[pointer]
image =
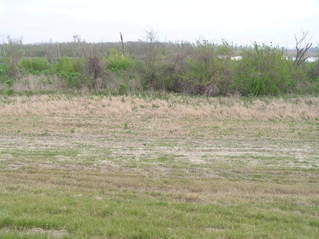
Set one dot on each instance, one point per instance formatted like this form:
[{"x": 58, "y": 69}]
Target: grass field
[{"x": 179, "y": 167}]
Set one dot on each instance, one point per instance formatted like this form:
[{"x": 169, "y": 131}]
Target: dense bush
[
  {"x": 208, "y": 70},
  {"x": 4, "y": 77},
  {"x": 202, "y": 68},
  {"x": 68, "y": 64},
  {"x": 72, "y": 70},
  {"x": 3, "y": 69},
  {"x": 35, "y": 65},
  {"x": 5, "y": 80},
  {"x": 117, "y": 62},
  {"x": 122, "y": 73},
  {"x": 313, "y": 70},
  {"x": 264, "y": 70}
]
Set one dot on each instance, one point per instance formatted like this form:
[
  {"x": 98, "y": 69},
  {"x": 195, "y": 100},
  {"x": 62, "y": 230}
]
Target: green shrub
[
  {"x": 72, "y": 79},
  {"x": 264, "y": 70},
  {"x": 5, "y": 79},
  {"x": 123, "y": 89},
  {"x": 117, "y": 62},
  {"x": 208, "y": 70},
  {"x": 7, "y": 91},
  {"x": 3, "y": 69},
  {"x": 72, "y": 70},
  {"x": 35, "y": 65},
  {"x": 312, "y": 70},
  {"x": 69, "y": 64},
  {"x": 308, "y": 88}
]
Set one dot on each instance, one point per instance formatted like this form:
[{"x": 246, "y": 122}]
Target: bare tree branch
[{"x": 302, "y": 47}]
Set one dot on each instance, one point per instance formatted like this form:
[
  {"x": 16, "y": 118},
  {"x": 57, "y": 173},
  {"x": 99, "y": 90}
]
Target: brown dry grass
[{"x": 305, "y": 108}]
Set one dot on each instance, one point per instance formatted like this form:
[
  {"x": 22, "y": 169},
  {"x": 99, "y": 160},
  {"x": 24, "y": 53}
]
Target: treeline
[{"x": 202, "y": 68}]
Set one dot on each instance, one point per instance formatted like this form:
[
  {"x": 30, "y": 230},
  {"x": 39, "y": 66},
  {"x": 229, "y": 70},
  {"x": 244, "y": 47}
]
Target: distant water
[
  {"x": 309, "y": 59},
  {"x": 312, "y": 59},
  {"x": 236, "y": 58}
]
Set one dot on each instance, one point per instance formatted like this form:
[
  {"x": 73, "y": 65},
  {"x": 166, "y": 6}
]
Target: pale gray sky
[{"x": 238, "y": 21}]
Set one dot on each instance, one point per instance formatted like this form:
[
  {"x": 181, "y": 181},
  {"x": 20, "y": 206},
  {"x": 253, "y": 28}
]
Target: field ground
[{"x": 181, "y": 167}]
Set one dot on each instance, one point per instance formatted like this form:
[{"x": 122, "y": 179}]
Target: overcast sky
[{"x": 237, "y": 21}]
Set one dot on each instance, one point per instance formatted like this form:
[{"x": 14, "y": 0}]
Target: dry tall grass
[{"x": 233, "y": 108}]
